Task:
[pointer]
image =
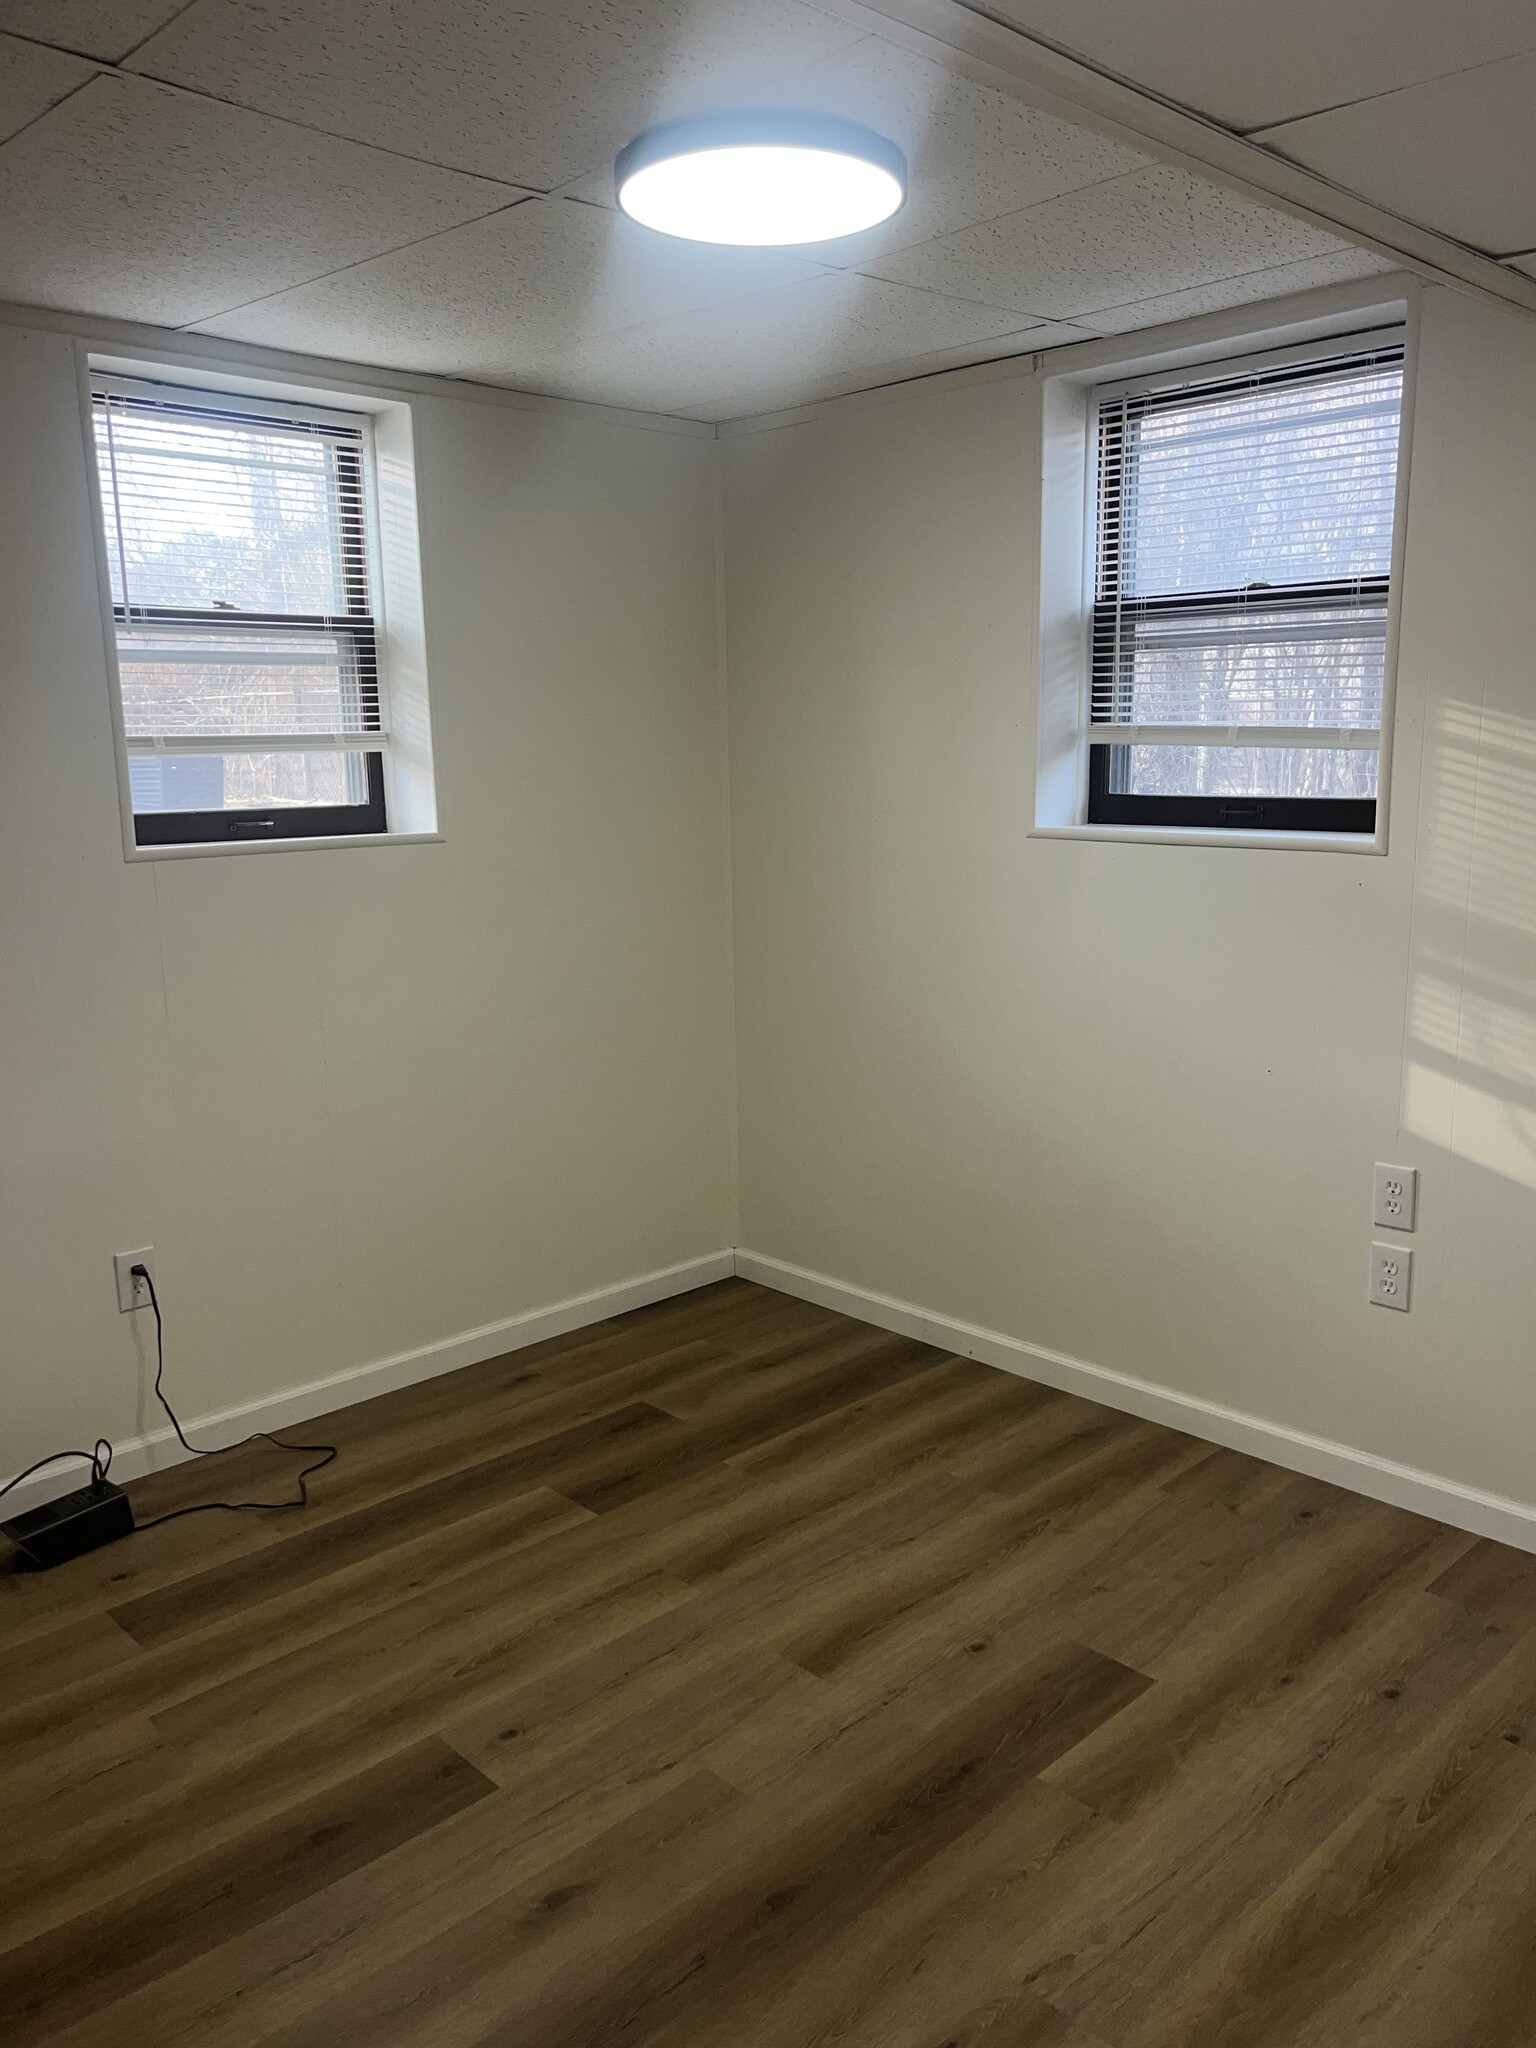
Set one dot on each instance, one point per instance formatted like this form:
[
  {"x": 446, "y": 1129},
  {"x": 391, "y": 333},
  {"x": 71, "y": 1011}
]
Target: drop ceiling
[{"x": 424, "y": 184}]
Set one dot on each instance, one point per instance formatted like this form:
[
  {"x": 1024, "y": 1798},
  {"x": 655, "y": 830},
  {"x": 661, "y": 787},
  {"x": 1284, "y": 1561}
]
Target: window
[
  {"x": 1241, "y": 575},
  {"x": 243, "y": 599}
]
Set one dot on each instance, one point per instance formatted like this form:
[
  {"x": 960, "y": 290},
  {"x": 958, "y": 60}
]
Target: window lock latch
[
  {"x": 239, "y": 825},
  {"x": 1242, "y": 814}
]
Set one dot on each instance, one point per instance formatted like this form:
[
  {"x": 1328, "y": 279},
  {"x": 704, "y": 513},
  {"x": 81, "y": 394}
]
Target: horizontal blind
[
  {"x": 1243, "y": 556},
  {"x": 237, "y": 549}
]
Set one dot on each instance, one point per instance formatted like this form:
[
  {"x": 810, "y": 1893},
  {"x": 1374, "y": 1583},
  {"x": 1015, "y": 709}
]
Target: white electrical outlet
[
  {"x": 131, "y": 1291},
  {"x": 1395, "y": 1196},
  {"x": 1391, "y": 1275}
]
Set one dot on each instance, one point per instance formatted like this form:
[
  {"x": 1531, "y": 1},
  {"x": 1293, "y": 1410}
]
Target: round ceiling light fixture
[{"x": 761, "y": 180}]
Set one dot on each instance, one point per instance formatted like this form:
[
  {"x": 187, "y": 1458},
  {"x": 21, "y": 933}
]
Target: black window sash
[
  {"x": 1108, "y": 806},
  {"x": 1112, "y": 650},
  {"x": 356, "y": 624},
  {"x": 278, "y": 821},
  {"x": 281, "y": 821}
]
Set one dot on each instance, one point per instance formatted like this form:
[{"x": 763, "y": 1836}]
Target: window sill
[
  {"x": 1191, "y": 835},
  {"x": 216, "y": 849}
]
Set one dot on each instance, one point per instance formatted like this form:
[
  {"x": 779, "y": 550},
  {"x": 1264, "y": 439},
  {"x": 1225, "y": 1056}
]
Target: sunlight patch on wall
[
  {"x": 1481, "y": 840},
  {"x": 1470, "y": 1080}
]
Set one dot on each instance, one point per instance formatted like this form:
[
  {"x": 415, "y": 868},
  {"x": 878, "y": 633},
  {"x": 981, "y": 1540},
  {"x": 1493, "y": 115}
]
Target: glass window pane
[
  {"x": 243, "y": 782},
  {"x": 212, "y": 514},
  {"x": 1248, "y": 667},
  {"x": 187, "y": 679},
  {"x": 1293, "y": 483},
  {"x": 1245, "y": 771}
]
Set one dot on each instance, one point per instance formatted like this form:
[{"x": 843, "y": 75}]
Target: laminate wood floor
[{"x": 734, "y": 1675}]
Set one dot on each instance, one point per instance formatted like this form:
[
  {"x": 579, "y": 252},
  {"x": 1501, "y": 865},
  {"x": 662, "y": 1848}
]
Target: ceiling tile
[
  {"x": 991, "y": 348},
  {"x": 1247, "y": 66},
  {"x": 1148, "y": 234},
  {"x": 1250, "y": 289},
  {"x": 506, "y": 293},
  {"x": 33, "y": 79},
  {"x": 773, "y": 349},
  {"x": 146, "y": 204},
  {"x": 972, "y": 153},
  {"x": 536, "y": 94},
  {"x": 96, "y": 28},
  {"x": 1458, "y": 155}
]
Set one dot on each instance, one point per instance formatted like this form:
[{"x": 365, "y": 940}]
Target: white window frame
[
  {"x": 394, "y": 571},
  {"x": 1068, "y": 542}
]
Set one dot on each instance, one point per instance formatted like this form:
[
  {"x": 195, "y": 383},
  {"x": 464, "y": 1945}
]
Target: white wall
[
  {"x": 1122, "y": 1101},
  {"x": 1119, "y": 1101},
  {"x": 362, "y": 1100}
]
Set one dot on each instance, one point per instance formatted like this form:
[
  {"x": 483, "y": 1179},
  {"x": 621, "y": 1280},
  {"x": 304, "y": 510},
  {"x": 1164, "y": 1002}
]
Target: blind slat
[
  {"x": 1244, "y": 543},
  {"x": 238, "y": 555},
  {"x": 1311, "y": 737},
  {"x": 256, "y": 743}
]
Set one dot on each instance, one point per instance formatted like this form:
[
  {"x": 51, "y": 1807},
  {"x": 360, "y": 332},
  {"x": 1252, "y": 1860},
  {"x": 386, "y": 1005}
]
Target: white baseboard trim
[
  {"x": 1403, "y": 1486},
  {"x": 158, "y": 1449}
]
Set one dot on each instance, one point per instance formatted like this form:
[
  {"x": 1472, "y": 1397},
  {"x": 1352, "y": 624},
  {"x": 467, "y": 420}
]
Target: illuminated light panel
[{"x": 761, "y": 180}]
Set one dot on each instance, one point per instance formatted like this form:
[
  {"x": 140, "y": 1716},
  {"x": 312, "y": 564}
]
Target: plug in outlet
[
  {"x": 1391, "y": 1275},
  {"x": 131, "y": 1291},
  {"x": 1395, "y": 1197}
]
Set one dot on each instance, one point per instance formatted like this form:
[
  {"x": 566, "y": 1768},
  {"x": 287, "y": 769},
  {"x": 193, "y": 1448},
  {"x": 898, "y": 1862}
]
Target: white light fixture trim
[{"x": 761, "y": 180}]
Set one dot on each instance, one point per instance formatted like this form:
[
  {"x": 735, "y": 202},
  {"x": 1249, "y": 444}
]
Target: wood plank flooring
[{"x": 734, "y": 1675}]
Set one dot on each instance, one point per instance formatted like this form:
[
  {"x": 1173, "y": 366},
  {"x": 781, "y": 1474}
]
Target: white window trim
[
  {"x": 394, "y": 564},
  {"x": 1067, "y": 538}
]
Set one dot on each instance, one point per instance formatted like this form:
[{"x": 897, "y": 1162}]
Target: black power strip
[
  {"x": 101, "y": 1512},
  {"x": 73, "y": 1524}
]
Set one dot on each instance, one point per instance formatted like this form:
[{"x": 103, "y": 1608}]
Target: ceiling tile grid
[
  {"x": 133, "y": 200},
  {"x": 426, "y": 184},
  {"x": 774, "y": 348},
  {"x": 33, "y": 79},
  {"x": 745, "y": 403},
  {"x": 507, "y": 293},
  {"x": 93, "y": 28},
  {"x": 1143, "y": 235},
  {"x": 536, "y": 94},
  {"x": 1457, "y": 154},
  {"x": 1342, "y": 266},
  {"x": 1249, "y": 67}
]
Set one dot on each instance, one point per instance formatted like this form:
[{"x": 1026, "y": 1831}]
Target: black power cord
[
  {"x": 100, "y": 1466},
  {"x": 328, "y": 1452},
  {"x": 100, "y": 1458}
]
